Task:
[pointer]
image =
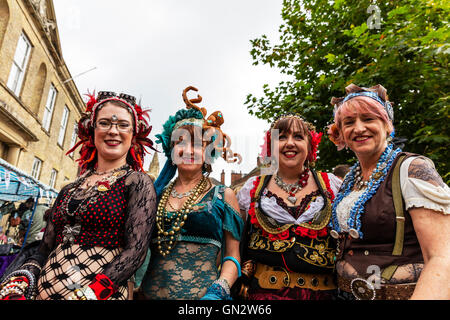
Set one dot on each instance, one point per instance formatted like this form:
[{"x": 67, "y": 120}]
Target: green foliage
[{"x": 326, "y": 45}]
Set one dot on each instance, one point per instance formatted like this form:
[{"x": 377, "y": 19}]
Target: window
[
  {"x": 62, "y": 128},
  {"x": 49, "y": 106},
  {"x": 19, "y": 64},
  {"x": 53, "y": 176},
  {"x": 36, "y": 169},
  {"x": 73, "y": 140}
]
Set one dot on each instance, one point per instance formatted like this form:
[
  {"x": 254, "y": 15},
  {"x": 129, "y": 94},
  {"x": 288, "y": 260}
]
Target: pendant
[
  {"x": 354, "y": 233},
  {"x": 102, "y": 188},
  {"x": 292, "y": 199},
  {"x": 334, "y": 234}
]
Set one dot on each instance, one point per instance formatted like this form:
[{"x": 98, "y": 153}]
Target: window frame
[
  {"x": 53, "y": 177},
  {"x": 36, "y": 172},
  {"x": 15, "y": 80},
  {"x": 63, "y": 126},
  {"x": 49, "y": 108}
]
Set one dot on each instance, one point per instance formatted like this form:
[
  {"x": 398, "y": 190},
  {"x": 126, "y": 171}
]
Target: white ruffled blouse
[
  {"x": 416, "y": 193},
  {"x": 272, "y": 209}
]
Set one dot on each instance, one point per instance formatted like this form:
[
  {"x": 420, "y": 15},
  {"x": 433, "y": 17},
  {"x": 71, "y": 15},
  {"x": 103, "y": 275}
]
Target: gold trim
[
  {"x": 318, "y": 254},
  {"x": 259, "y": 242}
]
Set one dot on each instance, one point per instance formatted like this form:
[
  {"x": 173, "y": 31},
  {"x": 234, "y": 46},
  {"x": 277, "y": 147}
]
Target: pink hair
[{"x": 361, "y": 105}]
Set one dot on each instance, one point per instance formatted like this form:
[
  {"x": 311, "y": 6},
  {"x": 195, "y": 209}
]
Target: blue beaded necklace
[{"x": 377, "y": 177}]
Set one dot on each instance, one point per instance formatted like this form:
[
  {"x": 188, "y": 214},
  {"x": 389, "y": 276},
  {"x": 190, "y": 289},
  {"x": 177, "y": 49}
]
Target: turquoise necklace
[{"x": 377, "y": 177}]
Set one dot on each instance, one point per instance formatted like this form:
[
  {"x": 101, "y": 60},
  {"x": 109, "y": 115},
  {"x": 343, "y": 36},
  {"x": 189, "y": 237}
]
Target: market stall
[{"x": 16, "y": 187}]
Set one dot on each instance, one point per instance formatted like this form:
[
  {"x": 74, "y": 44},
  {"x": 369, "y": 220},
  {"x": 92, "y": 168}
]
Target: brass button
[
  {"x": 273, "y": 279},
  {"x": 366, "y": 253}
]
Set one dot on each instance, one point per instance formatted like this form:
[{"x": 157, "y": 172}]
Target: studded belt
[
  {"x": 277, "y": 278},
  {"x": 365, "y": 290}
]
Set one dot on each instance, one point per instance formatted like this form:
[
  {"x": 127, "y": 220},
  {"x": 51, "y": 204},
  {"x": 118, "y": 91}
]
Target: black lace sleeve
[{"x": 141, "y": 213}]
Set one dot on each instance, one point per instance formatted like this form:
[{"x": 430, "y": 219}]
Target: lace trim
[
  {"x": 295, "y": 211},
  {"x": 420, "y": 203}
]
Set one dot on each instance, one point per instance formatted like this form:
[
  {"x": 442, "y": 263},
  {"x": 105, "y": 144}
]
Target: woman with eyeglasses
[{"x": 100, "y": 225}]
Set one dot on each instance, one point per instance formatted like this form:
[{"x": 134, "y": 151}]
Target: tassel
[
  {"x": 91, "y": 158},
  {"x": 74, "y": 147}
]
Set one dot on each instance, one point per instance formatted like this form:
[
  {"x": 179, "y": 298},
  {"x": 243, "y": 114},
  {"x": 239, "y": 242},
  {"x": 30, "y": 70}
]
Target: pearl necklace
[
  {"x": 293, "y": 188},
  {"x": 170, "y": 226}
]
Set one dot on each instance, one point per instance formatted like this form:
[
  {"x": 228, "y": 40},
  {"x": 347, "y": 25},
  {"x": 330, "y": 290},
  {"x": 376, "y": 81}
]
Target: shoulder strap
[
  {"x": 399, "y": 213},
  {"x": 399, "y": 217}
]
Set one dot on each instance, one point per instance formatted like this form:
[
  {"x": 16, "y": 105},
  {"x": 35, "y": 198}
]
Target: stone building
[{"x": 39, "y": 104}]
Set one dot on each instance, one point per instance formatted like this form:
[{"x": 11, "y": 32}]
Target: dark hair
[{"x": 341, "y": 170}]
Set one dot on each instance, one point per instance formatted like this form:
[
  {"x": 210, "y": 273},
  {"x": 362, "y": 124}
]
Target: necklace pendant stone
[
  {"x": 354, "y": 233},
  {"x": 102, "y": 188},
  {"x": 292, "y": 199}
]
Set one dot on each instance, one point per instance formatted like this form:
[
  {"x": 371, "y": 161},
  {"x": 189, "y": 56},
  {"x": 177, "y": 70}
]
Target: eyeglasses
[
  {"x": 105, "y": 125},
  {"x": 102, "y": 95}
]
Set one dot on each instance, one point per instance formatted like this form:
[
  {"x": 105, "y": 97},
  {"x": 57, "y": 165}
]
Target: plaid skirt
[{"x": 71, "y": 266}]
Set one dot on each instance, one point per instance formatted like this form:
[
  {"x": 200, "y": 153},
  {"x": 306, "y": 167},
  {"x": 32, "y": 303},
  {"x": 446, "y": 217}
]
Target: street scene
[{"x": 236, "y": 151}]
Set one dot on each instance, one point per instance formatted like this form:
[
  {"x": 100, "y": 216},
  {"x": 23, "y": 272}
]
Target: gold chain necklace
[{"x": 176, "y": 221}]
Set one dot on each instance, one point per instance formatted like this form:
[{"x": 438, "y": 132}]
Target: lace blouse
[{"x": 121, "y": 217}]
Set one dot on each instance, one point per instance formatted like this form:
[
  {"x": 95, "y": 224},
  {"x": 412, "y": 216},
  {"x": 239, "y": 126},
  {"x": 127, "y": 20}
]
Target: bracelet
[
  {"x": 32, "y": 264},
  {"x": 238, "y": 266},
  {"x": 85, "y": 293},
  {"x": 9, "y": 290},
  {"x": 29, "y": 292},
  {"x": 224, "y": 284}
]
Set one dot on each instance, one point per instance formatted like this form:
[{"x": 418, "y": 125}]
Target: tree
[{"x": 326, "y": 45}]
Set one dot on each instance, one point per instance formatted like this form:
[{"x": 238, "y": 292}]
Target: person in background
[
  {"x": 37, "y": 222},
  {"x": 341, "y": 170}
]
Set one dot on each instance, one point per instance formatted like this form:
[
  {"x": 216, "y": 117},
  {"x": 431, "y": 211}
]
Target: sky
[{"x": 153, "y": 49}]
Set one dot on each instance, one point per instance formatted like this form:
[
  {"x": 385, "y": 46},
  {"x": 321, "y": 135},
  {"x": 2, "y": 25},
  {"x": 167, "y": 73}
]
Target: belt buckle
[{"x": 362, "y": 289}]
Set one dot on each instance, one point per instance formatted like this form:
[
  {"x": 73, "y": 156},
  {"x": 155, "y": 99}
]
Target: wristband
[{"x": 103, "y": 287}]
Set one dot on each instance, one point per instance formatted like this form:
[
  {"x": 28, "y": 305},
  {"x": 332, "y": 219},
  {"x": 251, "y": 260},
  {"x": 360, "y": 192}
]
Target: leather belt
[
  {"x": 365, "y": 290},
  {"x": 271, "y": 278}
]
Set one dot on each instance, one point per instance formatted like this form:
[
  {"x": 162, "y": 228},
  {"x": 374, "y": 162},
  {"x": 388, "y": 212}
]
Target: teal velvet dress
[{"x": 192, "y": 265}]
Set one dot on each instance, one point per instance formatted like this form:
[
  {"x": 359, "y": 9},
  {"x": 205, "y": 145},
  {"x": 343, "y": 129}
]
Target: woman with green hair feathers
[{"x": 196, "y": 220}]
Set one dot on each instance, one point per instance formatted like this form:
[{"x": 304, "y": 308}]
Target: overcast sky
[{"x": 153, "y": 49}]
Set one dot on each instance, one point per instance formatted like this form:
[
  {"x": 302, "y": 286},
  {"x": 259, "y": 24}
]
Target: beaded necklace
[
  {"x": 177, "y": 219},
  {"x": 377, "y": 177},
  {"x": 293, "y": 188}
]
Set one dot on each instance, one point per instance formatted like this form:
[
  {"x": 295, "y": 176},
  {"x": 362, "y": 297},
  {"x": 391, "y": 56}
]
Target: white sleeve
[
  {"x": 243, "y": 196},
  {"x": 335, "y": 183},
  {"x": 418, "y": 193}
]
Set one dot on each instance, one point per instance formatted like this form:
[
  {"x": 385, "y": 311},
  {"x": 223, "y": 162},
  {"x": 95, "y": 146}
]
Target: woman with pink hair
[{"x": 391, "y": 217}]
